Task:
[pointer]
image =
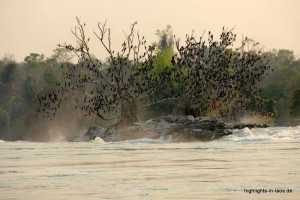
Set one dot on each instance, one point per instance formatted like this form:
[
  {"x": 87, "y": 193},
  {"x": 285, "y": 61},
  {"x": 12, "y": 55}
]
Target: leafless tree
[{"x": 112, "y": 90}]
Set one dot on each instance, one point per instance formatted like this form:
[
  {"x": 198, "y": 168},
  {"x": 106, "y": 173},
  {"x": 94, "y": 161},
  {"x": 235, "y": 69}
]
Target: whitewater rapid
[
  {"x": 238, "y": 135},
  {"x": 265, "y": 134}
]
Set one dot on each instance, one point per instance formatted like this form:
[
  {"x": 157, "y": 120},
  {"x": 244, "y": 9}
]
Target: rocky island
[{"x": 171, "y": 128}]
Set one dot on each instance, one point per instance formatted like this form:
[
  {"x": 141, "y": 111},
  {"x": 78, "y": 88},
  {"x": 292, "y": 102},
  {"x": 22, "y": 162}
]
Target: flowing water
[{"x": 250, "y": 164}]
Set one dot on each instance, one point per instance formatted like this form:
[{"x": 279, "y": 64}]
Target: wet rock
[
  {"x": 202, "y": 129},
  {"x": 171, "y": 128},
  {"x": 94, "y": 132},
  {"x": 189, "y": 119},
  {"x": 171, "y": 118},
  {"x": 152, "y": 129}
]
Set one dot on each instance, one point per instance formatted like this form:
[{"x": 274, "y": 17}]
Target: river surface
[{"x": 250, "y": 164}]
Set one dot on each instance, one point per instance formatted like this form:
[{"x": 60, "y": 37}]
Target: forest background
[{"x": 21, "y": 84}]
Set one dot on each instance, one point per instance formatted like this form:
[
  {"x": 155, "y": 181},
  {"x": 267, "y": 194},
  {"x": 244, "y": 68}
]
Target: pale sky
[{"x": 37, "y": 26}]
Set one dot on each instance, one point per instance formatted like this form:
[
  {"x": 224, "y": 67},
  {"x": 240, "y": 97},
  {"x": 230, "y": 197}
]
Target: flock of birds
[
  {"x": 206, "y": 76},
  {"x": 216, "y": 77}
]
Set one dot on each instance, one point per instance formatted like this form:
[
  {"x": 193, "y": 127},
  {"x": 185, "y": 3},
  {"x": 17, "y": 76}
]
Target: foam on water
[
  {"x": 142, "y": 141},
  {"x": 161, "y": 140},
  {"x": 165, "y": 139},
  {"x": 265, "y": 134},
  {"x": 98, "y": 140},
  {"x": 239, "y": 135}
]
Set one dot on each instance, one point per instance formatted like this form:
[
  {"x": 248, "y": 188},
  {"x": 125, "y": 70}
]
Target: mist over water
[
  {"x": 66, "y": 124},
  {"x": 255, "y": 119},
  {"x": 151, "y": 169}
]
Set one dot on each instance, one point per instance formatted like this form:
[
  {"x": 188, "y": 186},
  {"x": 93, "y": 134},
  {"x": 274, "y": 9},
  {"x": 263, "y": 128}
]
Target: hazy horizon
[{"x": 37, "y": 26}]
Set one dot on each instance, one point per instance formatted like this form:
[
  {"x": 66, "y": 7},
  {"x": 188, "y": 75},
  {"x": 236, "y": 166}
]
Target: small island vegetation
[{"x": 201, "y": 76}]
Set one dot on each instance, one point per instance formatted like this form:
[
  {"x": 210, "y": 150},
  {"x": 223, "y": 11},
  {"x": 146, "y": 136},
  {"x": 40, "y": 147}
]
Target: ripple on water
[
  {"x": 204, "y": 170},
  {"x": 11, "y": 172}
]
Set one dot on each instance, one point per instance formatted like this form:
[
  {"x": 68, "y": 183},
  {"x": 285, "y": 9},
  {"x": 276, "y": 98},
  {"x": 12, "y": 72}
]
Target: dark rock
[
  {"x": 94, "y": 132},
  {"x": 179, "y": 128},
  {"x": 202, "y": 129},
  {"x": 171, "y": 128}
]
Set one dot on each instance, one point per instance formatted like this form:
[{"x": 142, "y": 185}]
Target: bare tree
[{"x": 112, "y": 90}]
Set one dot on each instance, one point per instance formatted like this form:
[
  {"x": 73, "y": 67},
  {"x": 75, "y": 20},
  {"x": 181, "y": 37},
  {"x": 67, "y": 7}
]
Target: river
[{"x": 250, "y": 164}]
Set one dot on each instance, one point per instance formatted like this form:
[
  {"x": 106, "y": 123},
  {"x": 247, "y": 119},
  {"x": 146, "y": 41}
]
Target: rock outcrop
[{"x": 172, "y": 128}]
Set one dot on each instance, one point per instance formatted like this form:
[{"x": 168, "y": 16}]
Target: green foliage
[
  {"x": 34, "y": 60},
  {"x": 9, "y": 73},
  {"x": 295, "y": 107},
  {"x": 28, "y": 89},
  {"x": 3, "y": 119},
  {"x": 19, "y": 86},
  {"x": 282, "y": 82},
  {"x": 50, "y": 78},
  {"x": 272, "y": 91},
  {"x": 162, "y": 60},
  {"x": 8, "y": 90},
  {"x": 62, "y": 55},
  {"x": 271, "y": 108}
]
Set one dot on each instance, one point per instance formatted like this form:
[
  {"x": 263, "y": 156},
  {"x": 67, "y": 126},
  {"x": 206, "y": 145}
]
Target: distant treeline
[{"x": 22, "y": 83}]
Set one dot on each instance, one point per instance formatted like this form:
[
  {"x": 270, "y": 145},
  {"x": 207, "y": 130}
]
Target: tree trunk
[
  {"x": 128, "y": 112},
  {"x": 9, "y": 113}
]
